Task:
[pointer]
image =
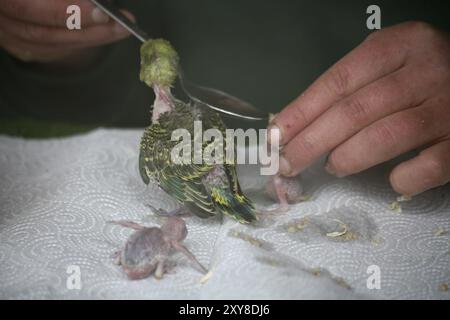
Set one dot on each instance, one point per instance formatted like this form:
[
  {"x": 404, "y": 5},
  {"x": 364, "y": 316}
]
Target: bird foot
[
  {"x": 169, "y": 267},
  {"x": 116, "y": 256},
  {"x": 281, "y": 209},
  {"x": 181, "y": 211}
]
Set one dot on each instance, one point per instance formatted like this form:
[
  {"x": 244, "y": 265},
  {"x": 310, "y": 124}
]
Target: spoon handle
[
  {"x": 111, "y": 10},
  {"x": 212, "y": 98}
]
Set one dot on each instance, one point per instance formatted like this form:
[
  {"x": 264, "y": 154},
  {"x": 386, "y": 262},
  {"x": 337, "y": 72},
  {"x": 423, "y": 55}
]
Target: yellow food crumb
[
  {"x": 376, "y": 242},
  {"x": 443, "y": 287},
  {"x": 255, "y": 242},
  {"x": 440, "y": 232},
  {"x": 340, "y": 281},
  {"x": 404, "y": 198},
  {"x": 298, "y": 226},
  {"x": 395, "y": 206},
  {"x": 234, "y": 233},
  {"x": 292, "y": 229},
  {"x": 349, "y": 236},
  {"x": 302, "y": 223},
  {"x": 272, "y": 262},
  {"x": 246, "y": 238},
  {"x": 306, "y": 197},
  {"x": 316, "y": 271}
]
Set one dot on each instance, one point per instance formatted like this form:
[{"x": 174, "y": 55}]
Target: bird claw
[
  {"x": 116, "y": 256},
  {"x": 164, "y": 213},
  {"x": 281, "y": 209},
  {"x": 169, "y": 267}
]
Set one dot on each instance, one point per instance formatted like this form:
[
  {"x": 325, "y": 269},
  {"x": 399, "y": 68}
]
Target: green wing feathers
[
  {"x": 205, "y": 189},
  {"x": 234, "y": 205}
]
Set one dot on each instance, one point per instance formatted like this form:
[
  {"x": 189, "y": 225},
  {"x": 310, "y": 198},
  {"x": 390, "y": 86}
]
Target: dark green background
[{"x": 265, "y": 51}]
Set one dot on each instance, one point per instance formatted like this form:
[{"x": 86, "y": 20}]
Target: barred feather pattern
[{"x": 205, "y": 189}]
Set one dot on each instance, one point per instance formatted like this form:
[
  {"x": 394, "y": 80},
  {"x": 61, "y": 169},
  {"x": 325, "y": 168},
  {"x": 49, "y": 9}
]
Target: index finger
[
  {"x": 376, "y": 57},
  {"x": 52, "y": 13}
]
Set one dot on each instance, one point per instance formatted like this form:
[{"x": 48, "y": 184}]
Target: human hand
[
  {"x": 36, "y": 30},
  {"x": 388, "y": 96}
]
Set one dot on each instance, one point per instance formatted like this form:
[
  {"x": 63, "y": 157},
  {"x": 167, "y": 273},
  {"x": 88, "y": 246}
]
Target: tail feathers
[{"x": 235, "y": 205}]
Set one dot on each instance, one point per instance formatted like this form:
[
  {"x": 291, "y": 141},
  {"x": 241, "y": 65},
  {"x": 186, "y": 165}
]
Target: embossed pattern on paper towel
[{"x": 57, "y": 194}]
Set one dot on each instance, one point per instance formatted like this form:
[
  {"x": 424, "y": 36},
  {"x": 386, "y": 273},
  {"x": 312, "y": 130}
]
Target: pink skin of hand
[
  {"x": 388, "y": 96},
  {"x": 36, "y": 31}
]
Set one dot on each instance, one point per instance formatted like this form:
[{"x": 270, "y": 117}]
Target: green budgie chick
[{"x": 203, "y": 189}]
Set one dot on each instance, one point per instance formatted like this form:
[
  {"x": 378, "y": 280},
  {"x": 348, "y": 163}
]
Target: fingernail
[
  {"x": 332, "y": 170},
  {"x": 404, "y": 198},
  {"x": 285, "y": 166},
  {"x": 129, "y": 15},
  {"x": 273, "y": 134},
  {"x": 272, "y": 117},
  {"x": 98, "y": 16},
  {"x": 120, "y": 29}
]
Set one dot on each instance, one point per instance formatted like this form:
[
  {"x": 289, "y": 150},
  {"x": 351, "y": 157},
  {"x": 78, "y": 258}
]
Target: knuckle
[
  {"x": 414, "y": 124},
  {"x": 419, "y": 33},
  {"x": 439, "y": 59},
  {"x": 339, "y": 81},
  {"x": 373, "y": 36},
  {"x": 305, "y": 145},
  {"x": 354, "y": 111},
  {"x": 428, "y": 34},
  {"x": 299, "y": 114},
  {"x": 420, "y": 28},
  {"x": 58, "y": 17},
  {"x": 381, "y": 134},
  {"x": 417, "y": 123},
  {"x": 15, "y": 8}
]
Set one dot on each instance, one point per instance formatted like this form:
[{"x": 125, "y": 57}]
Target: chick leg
[
  {"x": 187, "y": 253},
  {"x": 159, "y": 272},
  {"x": 181, "y": 211},
  {"x": 128, "y": 224},
  {"x": 169, "y": 267},
  {"x": 116, "y": 256}
]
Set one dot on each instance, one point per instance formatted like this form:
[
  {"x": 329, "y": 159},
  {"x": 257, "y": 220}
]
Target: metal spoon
[{"x": 213, "y": 98}]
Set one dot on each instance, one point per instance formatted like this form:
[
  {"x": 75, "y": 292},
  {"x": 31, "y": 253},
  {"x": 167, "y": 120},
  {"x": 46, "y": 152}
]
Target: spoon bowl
[{"x": 213, "y": 98}]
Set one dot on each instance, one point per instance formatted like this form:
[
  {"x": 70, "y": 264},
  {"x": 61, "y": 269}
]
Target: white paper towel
[{"x": 57, "y": 194}]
